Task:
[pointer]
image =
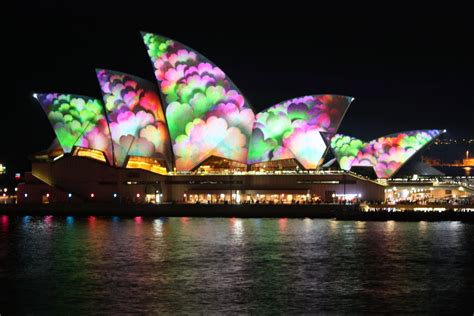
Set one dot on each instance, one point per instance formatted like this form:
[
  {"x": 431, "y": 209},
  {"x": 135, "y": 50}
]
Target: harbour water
[{"x": 110, "y": 265}]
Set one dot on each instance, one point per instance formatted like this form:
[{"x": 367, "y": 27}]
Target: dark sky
[{"x": 406, "y": 72}]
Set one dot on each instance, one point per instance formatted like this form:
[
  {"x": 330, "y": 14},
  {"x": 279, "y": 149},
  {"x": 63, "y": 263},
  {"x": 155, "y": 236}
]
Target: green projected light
[
  {"x": 77, "y": 121},
  {"x": 345, "y": 149},
  {"x": 136, "y": 119},
  {"x": 291, "y": 129},
  {"x": 207, "y": 115},
  {"x": 385, "y": 154}
]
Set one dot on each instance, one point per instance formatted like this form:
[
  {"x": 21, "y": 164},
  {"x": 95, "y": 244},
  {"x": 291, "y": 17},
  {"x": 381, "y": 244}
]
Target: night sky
[{"x": 406, "y": 72}]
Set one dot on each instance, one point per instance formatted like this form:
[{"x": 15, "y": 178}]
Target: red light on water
[
  {"x": 48, "y": 219},
  {"x": 138, "y": 220},
  {"x": 184, "y": 220},
  {"x": 4, "y": 222},
  {"x": 92, "y": 221},
  {"x": 282, "y": 223}
]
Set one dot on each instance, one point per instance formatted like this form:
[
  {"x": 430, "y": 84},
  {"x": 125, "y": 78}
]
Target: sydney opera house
[{"x": 193, "y": 136}]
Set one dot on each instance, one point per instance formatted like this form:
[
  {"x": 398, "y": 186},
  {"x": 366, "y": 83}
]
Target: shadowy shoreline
[{"x": 337, "y": 211}]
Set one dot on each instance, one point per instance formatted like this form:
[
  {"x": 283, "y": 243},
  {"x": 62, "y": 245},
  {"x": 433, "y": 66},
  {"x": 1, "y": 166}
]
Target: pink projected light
[
  {"x": 385, "y": 154},
  {"x": 135, "y": 115},
  {"x": 291, "y": 129},
  {"x": 77, "y": 121},
  {"x": 207, "y": 115}
]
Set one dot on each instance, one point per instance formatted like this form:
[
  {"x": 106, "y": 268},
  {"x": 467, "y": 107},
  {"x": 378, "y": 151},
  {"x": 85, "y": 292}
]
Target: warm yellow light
[
  {"x": 146, "y": 164},
  {"x": 90, "y": 153}
]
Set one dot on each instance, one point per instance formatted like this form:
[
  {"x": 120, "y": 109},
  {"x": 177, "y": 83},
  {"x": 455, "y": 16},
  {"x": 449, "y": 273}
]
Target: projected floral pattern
[
  {"x": 198, "y": 93},
  {"x": 291, "y": 129},
  {"x": 385, "y": 154},
  {"x": 77, "y": 121},
  {"x": 136, "y": 118},
  {"x": 346, "y": 149}
]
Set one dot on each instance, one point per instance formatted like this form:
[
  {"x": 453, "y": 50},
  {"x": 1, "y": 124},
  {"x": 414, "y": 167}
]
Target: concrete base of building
[
  {"x": 179, "y": 210},
  {"x": 337, "y": 211}
]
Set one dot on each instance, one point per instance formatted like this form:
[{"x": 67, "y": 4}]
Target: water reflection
[
  {"x": 308, "y": 224},
  {"x": 334, "y": 225},
  {"x": 158, "y": 227},
  {"x": 282, "y": 224},
  {"x": 92, "y": 221},
  {"x": 186, "y": 265},
  {"x": 422, "y": 227},
  {"x": 360, "y": 225},
  {"x": 4, "y": 223},
  {"x": 390, "y": 226},
  {"x": 70, "y": 220},
  {"x": 184, "y": 220},
  {"x": 26, "y": 219},
  {"x": 48, "y": 220}
]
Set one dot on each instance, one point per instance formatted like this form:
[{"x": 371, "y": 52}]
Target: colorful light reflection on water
[{"x": 72, "y": 265}]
